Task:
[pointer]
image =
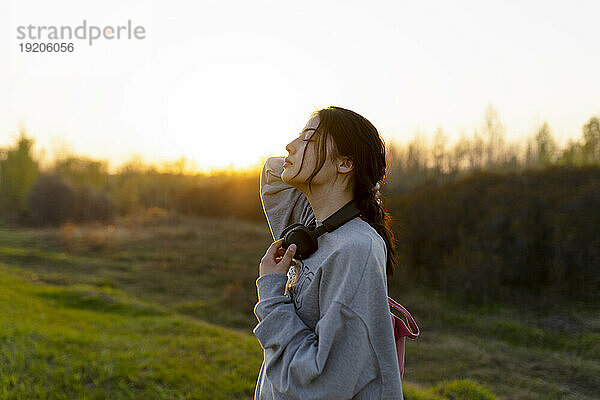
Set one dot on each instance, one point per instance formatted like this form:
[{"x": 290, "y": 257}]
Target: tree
[
  {"x": 461, "y": 151},
  {"x": 476, "y": 152},
  {"x": 572, "y": 154},
  {"x": 591, "y": 137},
  {"x": 530, "y": 153},
  {"x": 493, "y": 131},
  {"x": 83, "y": 171},
  {"x": 545, "y": 146},
  {"x": 416, "y": 160},
  {"x": 439, "y": 151},
  {"x": 18, "y": 173},
  {"x": 395, "y": 163}
]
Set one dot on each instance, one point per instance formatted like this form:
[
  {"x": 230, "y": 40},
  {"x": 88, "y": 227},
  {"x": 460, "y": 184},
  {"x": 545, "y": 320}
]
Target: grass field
[{"x": 160, "y": 306}]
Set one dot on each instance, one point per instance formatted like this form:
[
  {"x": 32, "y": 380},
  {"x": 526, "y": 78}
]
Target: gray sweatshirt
[{"x": 331, "y": 337}]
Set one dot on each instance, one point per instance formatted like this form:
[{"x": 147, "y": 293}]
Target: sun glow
[{"x": 225, "y": 85}]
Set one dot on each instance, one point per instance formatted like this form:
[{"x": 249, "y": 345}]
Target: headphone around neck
[{"x": 305, "y": 237}]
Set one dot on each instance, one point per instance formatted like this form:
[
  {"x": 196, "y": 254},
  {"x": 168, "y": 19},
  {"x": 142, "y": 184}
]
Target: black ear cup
[
  {"x": 303, "y": 238},
  {"x": 287, "y": 229}
]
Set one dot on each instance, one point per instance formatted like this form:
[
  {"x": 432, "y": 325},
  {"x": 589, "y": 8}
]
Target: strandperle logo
[{"x": 84, "y": 32}]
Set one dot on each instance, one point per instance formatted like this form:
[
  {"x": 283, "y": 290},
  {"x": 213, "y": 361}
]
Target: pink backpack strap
[{"x": 404, "y": 325}]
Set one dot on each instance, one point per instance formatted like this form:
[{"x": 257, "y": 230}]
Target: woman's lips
[{"x": 286, "y": 161}]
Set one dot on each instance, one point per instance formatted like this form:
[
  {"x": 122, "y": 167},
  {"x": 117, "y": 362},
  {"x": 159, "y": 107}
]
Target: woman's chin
[
  {"x": 287, "y": 177},
  {"x": 284, "y": 174}
]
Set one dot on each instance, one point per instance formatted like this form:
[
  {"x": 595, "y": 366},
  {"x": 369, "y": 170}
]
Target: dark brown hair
[{"x": 355, "y": 137}]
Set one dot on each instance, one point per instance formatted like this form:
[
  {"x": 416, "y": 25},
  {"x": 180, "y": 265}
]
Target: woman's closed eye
[{"x": 306, "y": 136}]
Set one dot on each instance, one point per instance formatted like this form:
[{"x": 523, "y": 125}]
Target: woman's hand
[{"x": 273, "y": 261}]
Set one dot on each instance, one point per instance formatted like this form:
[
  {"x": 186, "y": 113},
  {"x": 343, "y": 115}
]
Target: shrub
[
  {"x": 222, "y": 197},
  {"x": 464, "y": 390},
  {"x": 51, "y": 201},
  {"x": 493, "y": 236}
]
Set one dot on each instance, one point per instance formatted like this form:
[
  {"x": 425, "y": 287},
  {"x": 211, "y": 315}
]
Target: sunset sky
[{"x": 228, "y": 82}]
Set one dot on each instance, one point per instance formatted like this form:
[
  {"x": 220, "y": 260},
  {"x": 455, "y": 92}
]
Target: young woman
[{"x": 330, "y": 335}]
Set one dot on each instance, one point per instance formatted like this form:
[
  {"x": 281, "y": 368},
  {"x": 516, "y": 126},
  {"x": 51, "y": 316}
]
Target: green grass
[
  {"x": 161, "y": 307},
  {"x": 87, "y": 342}
]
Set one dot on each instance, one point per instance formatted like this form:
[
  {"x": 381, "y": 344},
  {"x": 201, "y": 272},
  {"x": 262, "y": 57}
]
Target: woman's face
[{"x": 295, "y": 171}]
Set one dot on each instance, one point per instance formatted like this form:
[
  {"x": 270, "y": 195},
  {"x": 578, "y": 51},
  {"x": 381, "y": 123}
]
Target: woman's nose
[{"x": 289, "y": 147}]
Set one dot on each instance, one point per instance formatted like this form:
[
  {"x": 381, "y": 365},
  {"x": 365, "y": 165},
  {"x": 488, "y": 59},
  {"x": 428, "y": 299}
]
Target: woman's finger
[
  {"x": 272, "y": 250},
  {"x": 287, "y": 257}
]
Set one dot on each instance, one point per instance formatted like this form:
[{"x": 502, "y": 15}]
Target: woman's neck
[{"x": 326, "y": 202}]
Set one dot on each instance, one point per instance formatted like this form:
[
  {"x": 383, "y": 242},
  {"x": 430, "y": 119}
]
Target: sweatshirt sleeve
[
  {"x": 283, "y": 204},
  {"x": 335, "y": 361}
]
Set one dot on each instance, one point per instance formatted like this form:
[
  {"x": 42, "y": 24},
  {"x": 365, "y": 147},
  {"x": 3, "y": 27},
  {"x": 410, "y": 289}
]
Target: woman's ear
[{"x": 345, "y": 165}]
